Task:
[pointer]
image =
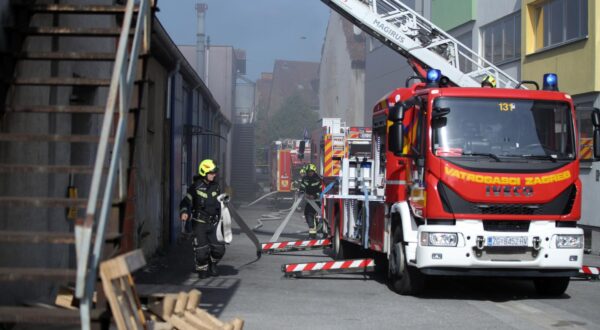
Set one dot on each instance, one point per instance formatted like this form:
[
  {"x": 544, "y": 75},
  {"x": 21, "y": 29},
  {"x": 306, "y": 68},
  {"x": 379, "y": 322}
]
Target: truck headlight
[
  {"x": 439, "y": 239},
  {"x": 569, "y": 241}
]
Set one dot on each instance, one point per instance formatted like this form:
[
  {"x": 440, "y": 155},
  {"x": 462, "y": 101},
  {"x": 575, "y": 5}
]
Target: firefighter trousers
[
  {"x": 206, "y": 246},
  {"x": 314, "y": 225}
]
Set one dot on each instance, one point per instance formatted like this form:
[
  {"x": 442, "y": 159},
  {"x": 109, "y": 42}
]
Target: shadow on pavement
[{"x": 477, "y": 288}]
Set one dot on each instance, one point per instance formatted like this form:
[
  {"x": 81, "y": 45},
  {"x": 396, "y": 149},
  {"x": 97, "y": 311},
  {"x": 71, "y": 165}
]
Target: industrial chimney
[{"x": 201, "y": 41}]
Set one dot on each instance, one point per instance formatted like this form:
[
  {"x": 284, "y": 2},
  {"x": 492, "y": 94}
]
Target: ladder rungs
[
  {"x": 22, "y": 168},
  {"x": 62, "y": 81},
  {"x": 26, "y": 137},
  {"x": 8, "y": 274},
  {"x": 66, "y": 56},
  {"x": 46, "y": 237}
]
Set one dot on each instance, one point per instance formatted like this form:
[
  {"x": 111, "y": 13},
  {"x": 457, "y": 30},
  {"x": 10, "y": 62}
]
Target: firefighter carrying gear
[
  {"x": 311, "y": 185},
  {"x": 201, "y": 203}
]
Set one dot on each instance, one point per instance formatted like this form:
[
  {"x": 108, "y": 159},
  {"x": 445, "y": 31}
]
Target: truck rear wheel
[
  {"x": 551, "y": 286},
  {"x": 342, "y": 249},
  {"x": 338, "y": 246},
  {"x": 402, "y": 278}
]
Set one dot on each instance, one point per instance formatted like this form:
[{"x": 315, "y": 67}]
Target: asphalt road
[{"x": 255, "y": 290}]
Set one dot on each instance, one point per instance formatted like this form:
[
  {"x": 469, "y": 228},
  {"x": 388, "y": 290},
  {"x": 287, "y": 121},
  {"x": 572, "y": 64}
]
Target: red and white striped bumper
[
  {"x": 295, "y": 245},
  {"x": 341, "y": 266}
]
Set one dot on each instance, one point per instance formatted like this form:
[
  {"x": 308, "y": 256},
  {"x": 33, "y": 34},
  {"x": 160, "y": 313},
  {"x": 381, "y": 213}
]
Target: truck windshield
[{"x": 500, "y": 129}]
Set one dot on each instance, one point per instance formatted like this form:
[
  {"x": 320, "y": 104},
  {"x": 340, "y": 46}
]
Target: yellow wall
[{"x": 576, "y": 63}]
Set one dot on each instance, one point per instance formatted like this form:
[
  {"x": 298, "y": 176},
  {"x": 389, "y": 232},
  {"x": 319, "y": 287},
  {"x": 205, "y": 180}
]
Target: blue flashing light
[
  {"x": 550, "y": 82},
  {"x": 433, "y": 76}
]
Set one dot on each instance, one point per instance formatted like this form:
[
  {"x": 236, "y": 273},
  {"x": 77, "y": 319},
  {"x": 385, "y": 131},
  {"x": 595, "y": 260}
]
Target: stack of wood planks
[{"x": 175, "y": 311}]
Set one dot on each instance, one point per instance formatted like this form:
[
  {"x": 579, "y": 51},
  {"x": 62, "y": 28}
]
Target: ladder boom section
[{"x": 415, "y": 37}]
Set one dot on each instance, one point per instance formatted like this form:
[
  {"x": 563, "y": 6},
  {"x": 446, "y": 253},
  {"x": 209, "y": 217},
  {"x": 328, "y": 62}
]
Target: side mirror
[
  {"x": 596, "y": 142},
  {"x": 396, "y": 112},
  {"x": 301, "y": 148},
  {"x": 396, "y": 138},
  {"x": 440, "y": 112},
  {"x": 596, "y": 118},
  {"x": 439, "y": 122},
  {"x": 596, "y": 136}
]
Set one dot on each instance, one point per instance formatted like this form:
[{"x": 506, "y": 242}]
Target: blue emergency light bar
[
  {"x": 550, "y": 82},
  {"x": 433, "y": 76}
]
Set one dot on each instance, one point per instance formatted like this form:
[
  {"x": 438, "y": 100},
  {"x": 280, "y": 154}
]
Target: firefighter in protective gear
[
  {"x": 311, "y": 185},
  {"x": 201, "y": 204},
  {"x": 302, "y": 171},
  {"x": 489, "y": 81}
]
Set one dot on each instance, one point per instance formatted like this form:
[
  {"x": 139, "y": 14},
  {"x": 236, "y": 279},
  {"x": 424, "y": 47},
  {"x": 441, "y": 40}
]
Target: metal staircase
[
  {"x": 420, "y": 41},
  {"x": 62, "y": 148}
]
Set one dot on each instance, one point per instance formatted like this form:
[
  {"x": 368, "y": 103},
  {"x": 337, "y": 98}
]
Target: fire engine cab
[{"x": 465, "y": 181}]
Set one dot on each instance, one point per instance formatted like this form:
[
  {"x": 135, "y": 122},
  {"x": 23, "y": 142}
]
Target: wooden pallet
[
  {"x": 119, "y": 289},
  {"x": 179, "y": 311},
  {"x": 182, "y": 312}
]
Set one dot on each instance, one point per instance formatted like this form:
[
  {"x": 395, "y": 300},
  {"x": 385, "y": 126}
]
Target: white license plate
[{"x": 507, "y": 241}]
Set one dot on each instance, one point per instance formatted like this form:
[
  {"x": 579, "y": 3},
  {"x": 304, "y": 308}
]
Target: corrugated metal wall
[{"x": 242, "y": 163}]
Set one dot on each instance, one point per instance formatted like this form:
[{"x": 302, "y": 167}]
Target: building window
[
  {"x": 564, "y": 20},
  {"x": 502, "y": 39}
]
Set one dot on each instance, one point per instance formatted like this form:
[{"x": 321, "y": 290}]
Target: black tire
[
  {"x": 410, "y": 280},
  {"x": 338, "y": 244},
  {"x": 343, "y": 249},
  {"x": 551, "y": 286}
]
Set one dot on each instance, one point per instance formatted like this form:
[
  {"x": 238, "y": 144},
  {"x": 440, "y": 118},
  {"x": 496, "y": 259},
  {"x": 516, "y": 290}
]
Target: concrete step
[
  {"x": 74, "y": 8},
  {"x": 46, "y": 315},
  {"x": 38, "y": 315},
  {"x": 62, "y": 31},
  {"x": 9, "y": 274},
  {"x": 27, "y": 168},
  {"x": 61, "y": 81},
  {"x": 27, "y": 137},
  {"x": 7, "y": 236},
  {"x": 84, "y": 109},
  {"x": 65, "y": 56},
  {"x": 47, "y": 202},
  {"x": 15, "y": 201}
]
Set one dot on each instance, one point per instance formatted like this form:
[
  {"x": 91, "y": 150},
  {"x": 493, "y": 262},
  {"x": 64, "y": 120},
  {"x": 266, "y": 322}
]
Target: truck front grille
[
  {"x": 520, "y": 226},
  {"x": 561, "y": 205}
]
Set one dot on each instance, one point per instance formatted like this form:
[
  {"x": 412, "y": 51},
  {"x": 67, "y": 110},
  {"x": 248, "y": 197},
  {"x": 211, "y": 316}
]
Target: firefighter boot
[
  {"x": 202, "y": 271},
  {"x": 212, "y": 268}
]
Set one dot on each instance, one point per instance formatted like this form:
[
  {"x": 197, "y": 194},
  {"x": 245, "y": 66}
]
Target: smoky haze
[{"x": 267, "y": 30}]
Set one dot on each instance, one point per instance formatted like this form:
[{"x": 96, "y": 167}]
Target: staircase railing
[{"x": 119, "y": 95}]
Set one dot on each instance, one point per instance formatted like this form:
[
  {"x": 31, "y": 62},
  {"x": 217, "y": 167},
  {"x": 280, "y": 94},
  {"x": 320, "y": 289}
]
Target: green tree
[
  {"x": 288, "y": 122},
  {"x": 291, "y": 119}
]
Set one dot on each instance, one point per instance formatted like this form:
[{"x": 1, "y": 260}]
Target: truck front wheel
[
  {"x": 402, "y": 278},
  {"x": 551, "y": 286}
]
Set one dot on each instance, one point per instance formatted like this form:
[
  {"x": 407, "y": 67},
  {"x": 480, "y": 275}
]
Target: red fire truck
[
  {"x": 285, "y": 164},
  {"x": 465, "y": 181}
]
